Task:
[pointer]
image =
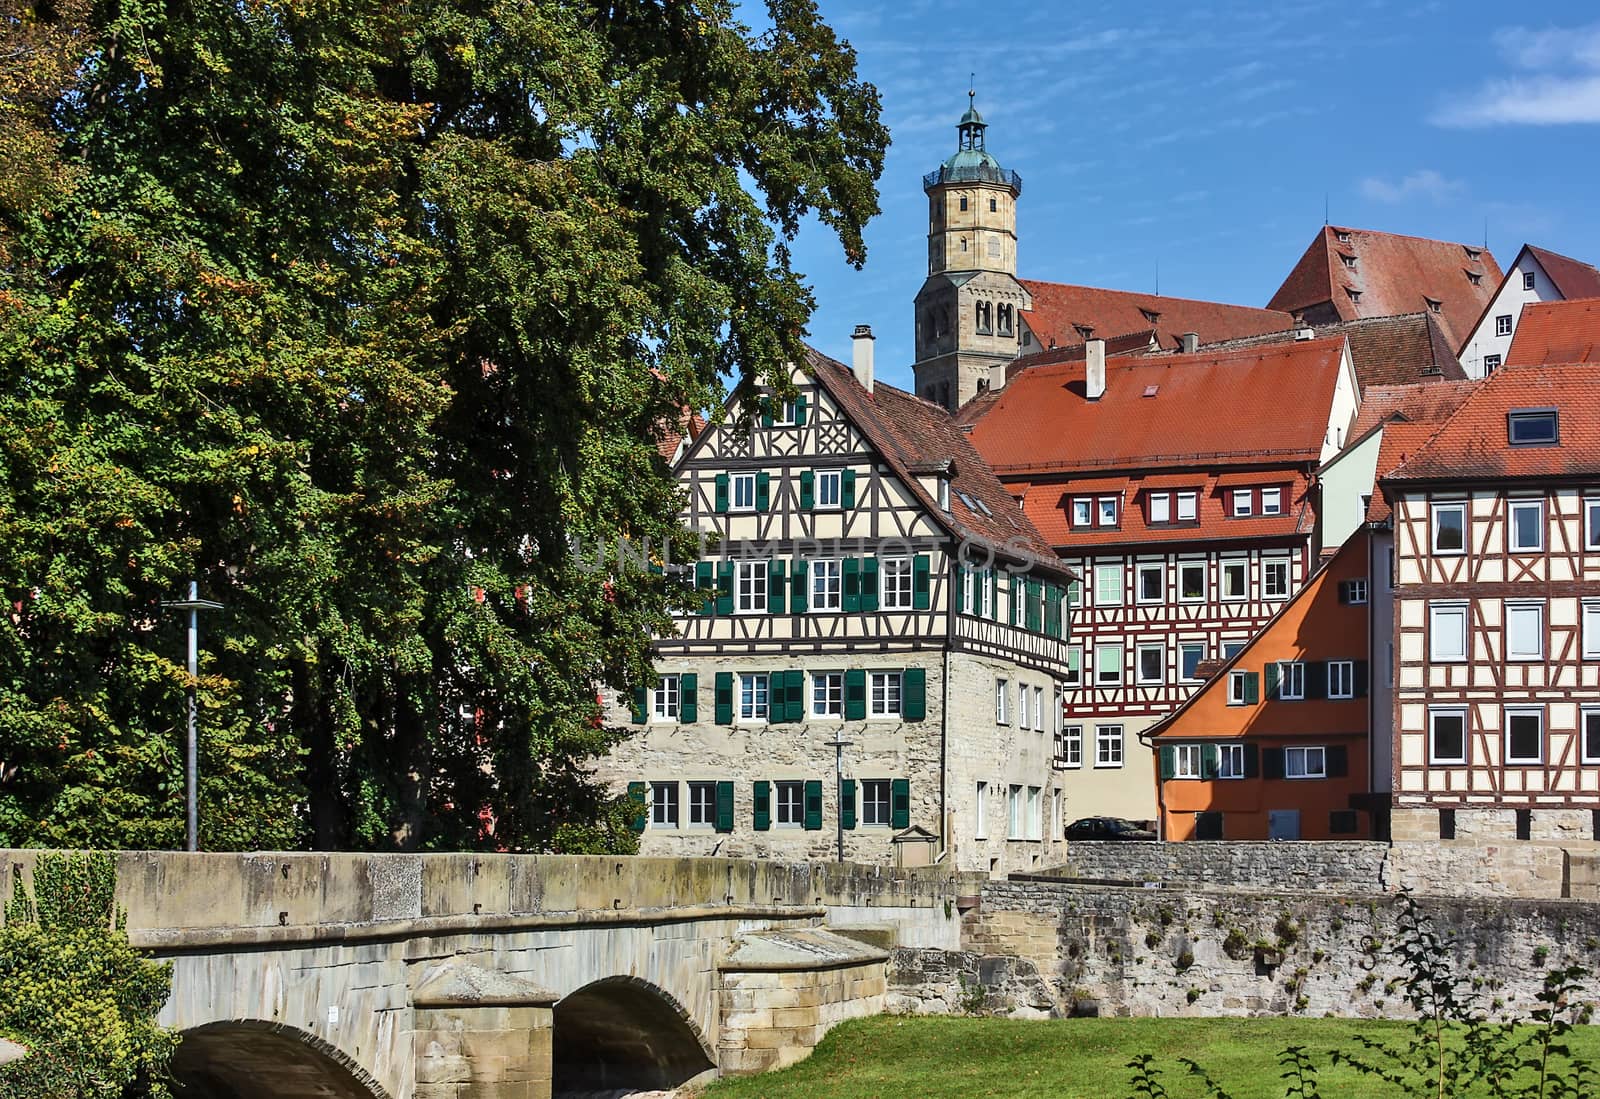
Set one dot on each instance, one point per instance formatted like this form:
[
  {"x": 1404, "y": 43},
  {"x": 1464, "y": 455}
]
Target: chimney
[
  {"x": 1302, "y": 334},
  {"x": 1094, "y": 369},
  {"x": 861, "y": 354},
  {"x": 997, "y": 377},
  {"x": 1191, "y": 342}
]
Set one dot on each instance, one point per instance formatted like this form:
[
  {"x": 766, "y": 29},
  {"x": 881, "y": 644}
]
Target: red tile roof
[
  {"x": 1132, "y": 344},
  {"x": 1572, "y": 278},
  {"x": 1049, "y": 506},
  {"x": 1256, "y": 406},
  {"x": 688, "y": 424},
  {"x": 1557, "y": 332},
  {"x": 1061, "y": 312},
  {"x": 1371, "y": 274},
  {"x": 1472, "y": 444},
  {"x": 915, "y": 435},
  {"x": 1400, "y": 441},
  {"x": 1420, "y": 404}
]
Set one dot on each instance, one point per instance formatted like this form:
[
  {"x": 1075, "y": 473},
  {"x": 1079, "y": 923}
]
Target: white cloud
[
  {"x": 1562, "y": 85},
  {"x": 1426, "y": 183}
]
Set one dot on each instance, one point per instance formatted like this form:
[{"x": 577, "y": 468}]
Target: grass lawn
[{"x": 890, "y": 1057}]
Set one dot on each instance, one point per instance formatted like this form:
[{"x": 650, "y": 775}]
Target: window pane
[
  {"x": 1233, "y": 579},
  {"x": 1448, "y": 630},
  {"x": 1524, "y": 632},
  {"x": 1186, "y": 505},
  {"x": 1447, "y": 529},
  {"x": 1533, "y": 428},
  {"x": 1527, "y": 522},
  {"x": 1449, "y": 736},
  {"x": 1591, "y": 735},
  {"x": 1191, "y": 655},
  {"x": 1160, "y": 508},
  {"x": 1108, "y": 585},
  {"x": 1524, "y": 736},
  {"x": 1150, "y": 583},
  {"x": 1108, "y": 664},
  {"x": 1193, "y": 581}
]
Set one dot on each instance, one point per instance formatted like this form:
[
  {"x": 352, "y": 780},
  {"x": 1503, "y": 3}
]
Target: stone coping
[
  {"x": 795, "y": 949},
  {"x": 460, "y": 984}
]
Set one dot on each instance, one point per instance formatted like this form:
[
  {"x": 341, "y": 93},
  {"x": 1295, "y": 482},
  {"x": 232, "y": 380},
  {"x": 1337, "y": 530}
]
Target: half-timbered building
[
  {"x": 1178, "y": 488},
  {"x": 1496, "y": 522},
  {"x": 874, "y": 601}
]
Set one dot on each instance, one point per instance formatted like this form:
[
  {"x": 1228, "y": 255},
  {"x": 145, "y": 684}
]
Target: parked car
[{"x": 1107, "y": 828}]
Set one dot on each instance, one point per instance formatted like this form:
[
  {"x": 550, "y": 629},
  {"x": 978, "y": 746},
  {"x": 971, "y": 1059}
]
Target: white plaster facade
[{"x": 1527, "y": 281}]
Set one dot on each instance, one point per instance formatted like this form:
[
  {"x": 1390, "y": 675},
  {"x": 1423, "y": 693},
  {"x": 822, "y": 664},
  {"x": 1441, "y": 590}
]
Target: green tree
[
  {"x": 75, "y": 992},
  {"x": 363, "y": 315}
]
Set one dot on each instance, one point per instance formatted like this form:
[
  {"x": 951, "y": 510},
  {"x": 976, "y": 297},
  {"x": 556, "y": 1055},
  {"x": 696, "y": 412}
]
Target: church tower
[{"x": 968, "y": 311}]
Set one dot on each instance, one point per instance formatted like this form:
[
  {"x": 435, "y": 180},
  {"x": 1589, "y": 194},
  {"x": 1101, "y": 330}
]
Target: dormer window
[
  {"x": 1472, "y": 253},
  {"x": 1082, "y": 511},
  {"x": 944, "y": 494},
  {"x": 1160, "y": 505},
  {"x": 1355, "y": 295},
  {"x": 1533, "y": 427},
  {"x": 1435, "y": 304},
  {"x": 1084, "y": 330},
  {"x": 1107, "y": 511},
  {"x": 1474, "y": 278},
  {"x": 1151, "y": 316},
  {"x": 1343, "y": 237},
  {"x": 1349, "y": 260}
]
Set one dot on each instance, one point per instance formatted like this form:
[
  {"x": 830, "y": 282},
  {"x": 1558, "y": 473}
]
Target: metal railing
[{"x": 981, "y": 173}]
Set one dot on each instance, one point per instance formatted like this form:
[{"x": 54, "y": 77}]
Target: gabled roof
[
  {"x": 1572, "y": 278},
  {"x": 1431, "y": 403},
  {"x": 1557, "y": 332},
  {"x": 916, "y": 436},
  {"x": 1472, "y": 444},
  {"x": 688, "y": 425},
  {"x": 1065, "y": 315},
  {"x": 1134, "y": 343},
  {"x": 1361, "y": 273},
  {"x": 1260, "y": 406}
]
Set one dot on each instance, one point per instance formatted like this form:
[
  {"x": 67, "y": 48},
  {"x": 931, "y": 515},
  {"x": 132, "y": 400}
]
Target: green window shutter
[
  {"x": 900, "y": 803},
  {"x": 852, "y": 585},
  {"x": 763, "y": 806},
  {"x": 763, "y": 491},
  {"x": 914, "y": 694},
  {"x": 847, "y": 802},
  {"x": 722, "y": 492},
  {"x": 797, "y": 589},
  {"x": 855, "y": 695},
  {"x": 724, "y": 698},
  {"x": 638, "y": 707},
  {"x": 1252, "y": 688},
  {"x": 1272, "y": 681},
  {"x": 847, "y": 488},
  {"x": 1169, "y": 761},
  {"x": 1210, "y": 761},
  {"x": 921, "y": 583},
  {"x": 704, "y": 583},
  {"x": 724, "y": 806},
  {"x": 1031, "y": 587},
  {"x": 1052, "y": 610},
  {"x": 869, "y": 584},
  {"x": 800, "y": 410},
  {"x": 688, "y": 699},
  {"x": 766, "y": 411},
  {"x": 808, "y": 490},
  {"x": 797, "y": 694},
  {"x": 813, "y": 805},
  {"x": 636, "y": 795},
  {"x": 962, "y": 572},
  {"x": 775, "y": 587},
  {"x": 725, "y": 588},
  {"x": 1362, "y": 677}
]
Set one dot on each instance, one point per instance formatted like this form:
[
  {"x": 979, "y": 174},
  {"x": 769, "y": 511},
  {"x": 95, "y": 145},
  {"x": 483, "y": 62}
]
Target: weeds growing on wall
[
  {"x": 1452, "y": 1048},
  {"x": 75, "y": 993}
]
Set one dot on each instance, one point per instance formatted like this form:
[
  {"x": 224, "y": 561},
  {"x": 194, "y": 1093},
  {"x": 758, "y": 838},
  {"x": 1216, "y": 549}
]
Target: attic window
[
  {"x": 1084, "y": 330},
  {"x": 981, "y": 506},
  {"x": 1533, "y": 427},
  {"x": 1435, "y": 304},
  {"x": 1151, "y": 390},
  {"x": 1344, "y": 238},
  {"x": 1349, "y": 260},
  {"x": 1472, "y": 253},
  {"x": 1474, "y": 278},
  {"x": 1355, "y": 295},
  {"x": 1151, "y": 316}
]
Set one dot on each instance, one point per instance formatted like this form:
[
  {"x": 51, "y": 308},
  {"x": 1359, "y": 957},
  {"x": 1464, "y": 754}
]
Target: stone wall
[
  {"x": 772, "y": 1019},
  {"x": 1140, "y": 952}
]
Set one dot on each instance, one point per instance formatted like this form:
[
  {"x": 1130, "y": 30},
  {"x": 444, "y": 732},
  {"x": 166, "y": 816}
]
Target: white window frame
[
  {"x": 1074, "y": 677},
  {"x": 1242, "y": 566},
  {"x": 1160, "y": 649},
  {"x": 1272, "y": 501},
  {"x": 1187, "y": 506},
  {"x": 1437, "y": 512},
  {"x": 828, "y": 492},
  {"x": 1306, "y": 754},
  {"x": 1502, "y": 323},
  {"x": 1530, "y": 281},
  {"x": 1033, "y": 813},
  {"x": 896, "y": 584},
  {"x": 1038, "y": 709},
  {"x": 1109, "y": 647},
  {"x": 876, "y": 811},
  {"x": 1585, "y": 715},
  {"x": 1183, "y": 648},
  {"x": 885, "y": 695},
  {"x": 1069, "y": 747},
  {"x": 1230, "y": 761},
  {"x": 1491, "y": 363},
  {"x": 825, "y": 584},
  {"x": 1591, "y": 629},
  {"x": 1510, "y": 712},
  {"x": 1270, "y": 566},
  {"x": 1100, "y": 573},
  {"x": 789, "y": 812},
  {"x": 783, "y": 413},
  {"x": 1236, "y": 681},
  {"x": 665, "y": 809},
  {"x": 1002, "y": 701},
  {"x": 1341, "y": 679},
  {"x": 1356, "y": 593},
  {"x": 1185, "y": 567},
  {"x": 1022, "y": 705},
  {"x": 1014, "y": 811},
  {"x": 665, "y": 701},
  {"x": 1515, "y": 507},
  {"x": 755, "y": 698},
  {"x": 1591, "y": 524},
  {"x": 1291, "y": 680},
  {"x": 750, "y": 586},
  {"x": 1186, "y": 761},
  {"x": 1524, "y": 609},
  {"x": 1108, "y": 746},
  {"x": 1459, "y": 712},
  {"x": 1083, "y": 511},
  {"x": 1449, "y": 620},
  {"x": 826, "y": 687},
  {"x": 741, "y": 485},
  {"x": 702, "y": 808},
  {"x": 1140, "y": 570},
  {"x": 1105, "y": 511},
  {"x": 980, "y": 807},
  {"x": 1243, "y": 500},
  {"x": 986, "y": 593},
  {"x": 1160, "y": 504}
]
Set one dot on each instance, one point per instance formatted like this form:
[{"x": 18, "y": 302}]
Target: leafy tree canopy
[{"x": 361, "y": 314}]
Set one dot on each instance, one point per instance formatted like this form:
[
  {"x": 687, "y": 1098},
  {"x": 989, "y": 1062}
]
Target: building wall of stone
[{"x": 773, "y": 1019}]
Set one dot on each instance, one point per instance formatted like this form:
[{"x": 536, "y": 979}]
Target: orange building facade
[{"x": 1274, "y": 745}]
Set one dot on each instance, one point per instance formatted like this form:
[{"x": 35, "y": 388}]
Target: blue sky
[{"x": 1203, "y": 136}]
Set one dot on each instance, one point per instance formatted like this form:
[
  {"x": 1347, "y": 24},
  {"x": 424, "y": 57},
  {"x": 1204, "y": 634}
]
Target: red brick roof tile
[
  {"x": 1557, "y": 332},
  {"x": 1420, "y": 403},
  {"x": 1062, "y": 312},
  {"x": 1371, "y": 274},
  {"x": 1572, "y": 278},
  {"x": 1049, "y": 506}
]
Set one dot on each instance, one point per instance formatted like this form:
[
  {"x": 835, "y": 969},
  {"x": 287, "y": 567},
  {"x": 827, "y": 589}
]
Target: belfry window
[
  {"x": 963, "y": 202},
  {"x": 1005, "y": 315},
  {"x": 984, "y": 311}
]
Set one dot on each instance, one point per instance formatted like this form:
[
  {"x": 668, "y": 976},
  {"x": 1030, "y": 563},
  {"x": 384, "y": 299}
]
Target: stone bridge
[{"x": 462, "y": 976}]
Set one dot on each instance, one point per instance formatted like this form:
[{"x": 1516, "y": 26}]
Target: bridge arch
[
  {"x": 253, "y": 1059},
  {"x": 623, "y": 1033}
]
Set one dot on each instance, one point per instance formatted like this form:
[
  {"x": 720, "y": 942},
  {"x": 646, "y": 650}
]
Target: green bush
[{"x": 75, "y": 992}]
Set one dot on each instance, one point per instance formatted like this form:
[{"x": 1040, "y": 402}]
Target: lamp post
[
  {"x": 194, "y": 605},
  {"x": 838, "y": 747}
]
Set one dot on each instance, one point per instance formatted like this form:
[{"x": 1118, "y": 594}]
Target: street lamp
[
  {"x": 194, "y": 605},
  {"x": 838, "y": 747}
]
